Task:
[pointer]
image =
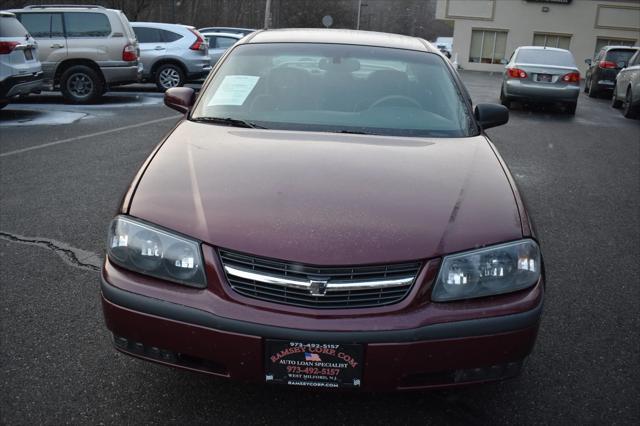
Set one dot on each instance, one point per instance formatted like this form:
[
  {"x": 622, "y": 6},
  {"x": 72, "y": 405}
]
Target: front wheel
[
  {"x": 81, "y": 84},
  {"x": 628, "y": 110},
  {"x": 168, "y": 76},
  {"x": 615, "y": 102}
]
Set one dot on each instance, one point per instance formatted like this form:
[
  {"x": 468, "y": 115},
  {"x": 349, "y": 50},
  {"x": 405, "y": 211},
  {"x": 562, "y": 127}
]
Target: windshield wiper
[{"x": 233, "y": 122}]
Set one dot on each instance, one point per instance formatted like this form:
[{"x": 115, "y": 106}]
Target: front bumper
[
  {"x": 436, "y": 355},
  {"x": 541, "y": 92}
]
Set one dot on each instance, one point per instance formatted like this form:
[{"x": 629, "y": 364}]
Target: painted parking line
[{"x": 90, "y": 135}]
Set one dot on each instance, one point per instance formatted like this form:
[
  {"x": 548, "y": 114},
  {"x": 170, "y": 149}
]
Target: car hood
[{"x": 328, "y": 199}]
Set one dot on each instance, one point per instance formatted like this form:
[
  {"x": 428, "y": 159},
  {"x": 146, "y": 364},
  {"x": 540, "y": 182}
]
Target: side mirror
[
  {"x": 180, "y": 98},
  {"x": 587, "y": 61},
  {"x": 491, "y": 115}
]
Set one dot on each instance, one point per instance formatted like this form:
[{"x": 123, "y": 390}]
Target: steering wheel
[{"x": 389, "y": 98}]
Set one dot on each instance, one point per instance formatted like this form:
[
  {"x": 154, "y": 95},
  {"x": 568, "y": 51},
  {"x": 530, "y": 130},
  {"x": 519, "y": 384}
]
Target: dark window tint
[
  {"x": 87, "y": 24},
  {"x": 620, "y": 55},
  {"x": 545, "y": 57},
  {"x": 169, "y": 36},
  {"x": 38, "y": 24},
  {"x": 147, "y": 35},
  {"x": 57, "y": 30},
  {"x": 225, "y": 42},
  {"x": 10, "y": 27}
]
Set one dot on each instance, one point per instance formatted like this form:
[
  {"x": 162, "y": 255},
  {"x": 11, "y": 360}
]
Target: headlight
[
  {"x": 488, "y": 271},
  {"x": 152, "y": 251}
]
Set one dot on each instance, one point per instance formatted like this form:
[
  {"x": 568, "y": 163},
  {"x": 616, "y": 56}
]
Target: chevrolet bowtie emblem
[{"x": 318, "y": 287}]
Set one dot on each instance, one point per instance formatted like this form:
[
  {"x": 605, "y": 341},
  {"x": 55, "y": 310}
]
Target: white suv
[
  {"x": 20, "y": 70},
  {"x": 84, "y": 50}
]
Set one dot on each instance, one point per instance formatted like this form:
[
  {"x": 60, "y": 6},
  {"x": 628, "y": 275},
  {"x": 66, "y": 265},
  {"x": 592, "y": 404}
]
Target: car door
[
  {"x": 47, "y": 29},
  {"x": 152, "y": 46},
  {"x": 88, "y": 35}
]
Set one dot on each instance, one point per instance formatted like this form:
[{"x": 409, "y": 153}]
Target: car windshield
[
  {"x": 336, "y": 88},
  {"x": 561, "y": 58}
]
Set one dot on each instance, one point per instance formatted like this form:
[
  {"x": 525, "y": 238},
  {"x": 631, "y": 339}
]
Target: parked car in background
[
  {"x": 84, "y": 50},
  {"x": 329, "y": 214},
  {"x": 626, "y": 92},
  {"x": 229, "y": 30},
  {"x": 219, "y": 42},
  {"x": 603, "y": 69},
  {"x": 172, "y": 54},
  {"x": 20, "y": 69},
  {"x": 541, "y": 74}
]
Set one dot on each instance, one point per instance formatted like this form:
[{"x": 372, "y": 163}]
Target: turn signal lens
[
  {"x": 7, "y": 47},
  {"x": 516, "y": 73},
  {"x": 146, "y": 249},
  {"x": 489, "y": 271},
  {"x": 573, "y": 77},
  {"x": 606, "y": 64},
  {"x": 199, "y": 44}
]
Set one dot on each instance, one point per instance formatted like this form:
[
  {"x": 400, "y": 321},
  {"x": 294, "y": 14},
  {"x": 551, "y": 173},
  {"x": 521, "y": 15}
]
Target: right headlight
[
  {"x": 149, "y": 250},
  {"x": 488, "y": 271}
]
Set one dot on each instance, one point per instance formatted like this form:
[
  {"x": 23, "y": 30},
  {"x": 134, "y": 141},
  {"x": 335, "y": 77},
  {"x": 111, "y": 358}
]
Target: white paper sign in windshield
[{"x": 234, "y": 90}]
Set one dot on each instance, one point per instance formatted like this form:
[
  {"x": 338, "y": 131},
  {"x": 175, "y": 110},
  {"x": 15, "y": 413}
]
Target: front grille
[{"x": 284, "y": 282}]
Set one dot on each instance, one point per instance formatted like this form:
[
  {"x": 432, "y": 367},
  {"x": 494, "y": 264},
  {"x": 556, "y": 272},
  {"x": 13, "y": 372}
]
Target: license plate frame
[
  {"x": 314, "y": 365},
  {"x": 545, "y": 78},
  {"x": 28, "y": 54}
]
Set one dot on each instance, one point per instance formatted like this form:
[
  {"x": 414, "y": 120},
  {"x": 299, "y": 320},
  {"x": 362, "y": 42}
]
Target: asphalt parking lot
[{"x": 64, "y": 168}]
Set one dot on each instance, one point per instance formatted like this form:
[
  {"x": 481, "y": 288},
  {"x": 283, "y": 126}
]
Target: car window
[
  {"x": 87, "y": 24},
  {"x": 338, "y": 88},
  {"x": 635, "y": 59},
  {"x": 225, "y": 42},
  {"x": 170, "y": 36},
  {"x": 148, "y": 35},
  {"x": 620, "y": 55},
  {"x": 11, "y": 27},
  {"x": 38, "y": 24},
  {"x": 545, "y": 57}
]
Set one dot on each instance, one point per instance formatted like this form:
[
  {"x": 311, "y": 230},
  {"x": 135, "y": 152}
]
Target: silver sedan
[{"x": 541, "y": 74}]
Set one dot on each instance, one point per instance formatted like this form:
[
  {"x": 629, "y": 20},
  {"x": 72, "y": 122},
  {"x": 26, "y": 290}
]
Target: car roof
[
  {"x": 63, "y": 8},
  {"x": 7, "y": 14},
  {"x": 621, "y": 47},
  {"x": 161, "y": 25},
  {"x": 224, "y": 34},
  {"x": 339, "y": 36},
  {"x": 542, "y": 48}
]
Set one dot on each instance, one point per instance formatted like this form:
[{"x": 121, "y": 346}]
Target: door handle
[
  {"x": 56, "y": 46},
  {"x": 159, "y": 48}
]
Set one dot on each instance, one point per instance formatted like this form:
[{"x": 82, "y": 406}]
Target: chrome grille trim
[{"x": 308, "y": 286}]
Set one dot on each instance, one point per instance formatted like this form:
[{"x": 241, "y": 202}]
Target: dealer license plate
[
  {"x": 544, "y": 78},
  {"x": 318, "y": 365}
]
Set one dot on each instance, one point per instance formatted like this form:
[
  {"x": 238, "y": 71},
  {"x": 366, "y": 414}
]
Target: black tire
[
  {"x": 615, "y": 102},
  {"x": 81, "y": 84},
  {"x": 168, "y": 76},
  {"x": 593, "y": 89},
  {"x": 571, "y": 107},
  {"x": 628, "y": 111},
  {"x": 503, "y": 99}
]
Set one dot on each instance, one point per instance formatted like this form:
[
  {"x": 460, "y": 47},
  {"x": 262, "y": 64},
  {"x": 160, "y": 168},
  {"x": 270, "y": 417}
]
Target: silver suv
[
  {"x": 20, "y": 70},
  {"x": 84, "y": 50},
  {"x": 172, "y": 54}
]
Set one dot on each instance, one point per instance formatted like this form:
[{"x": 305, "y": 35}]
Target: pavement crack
[{"x": 72, "y": 256}]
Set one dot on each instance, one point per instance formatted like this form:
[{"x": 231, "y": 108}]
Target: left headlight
[
  {"x": 149, "y": 250},
  {"x": 488, "y": 271}
]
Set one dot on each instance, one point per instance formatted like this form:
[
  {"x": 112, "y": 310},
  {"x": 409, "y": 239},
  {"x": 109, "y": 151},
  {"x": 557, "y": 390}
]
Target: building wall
[{"x": 584, "y": 20}]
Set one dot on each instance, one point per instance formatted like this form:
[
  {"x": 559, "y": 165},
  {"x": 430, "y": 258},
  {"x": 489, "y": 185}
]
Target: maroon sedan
[{"x": 328, "y": 214}]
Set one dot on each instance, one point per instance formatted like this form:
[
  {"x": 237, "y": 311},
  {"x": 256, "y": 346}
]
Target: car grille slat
[{"x": 288, "y": 283}]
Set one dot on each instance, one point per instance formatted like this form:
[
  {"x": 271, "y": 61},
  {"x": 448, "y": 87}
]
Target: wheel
[
  {"x": 81, "y": 84},
  {"x": 587, "y": 82},
  {"x": 615, "y": 102},
  {"x": 503, "y": 99},
  {"x": 593, "y": 88},
  {"x": 571, "y": 108},
  {"x": 168, "y": 76},
  {"x": 628, "y": 110}
]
